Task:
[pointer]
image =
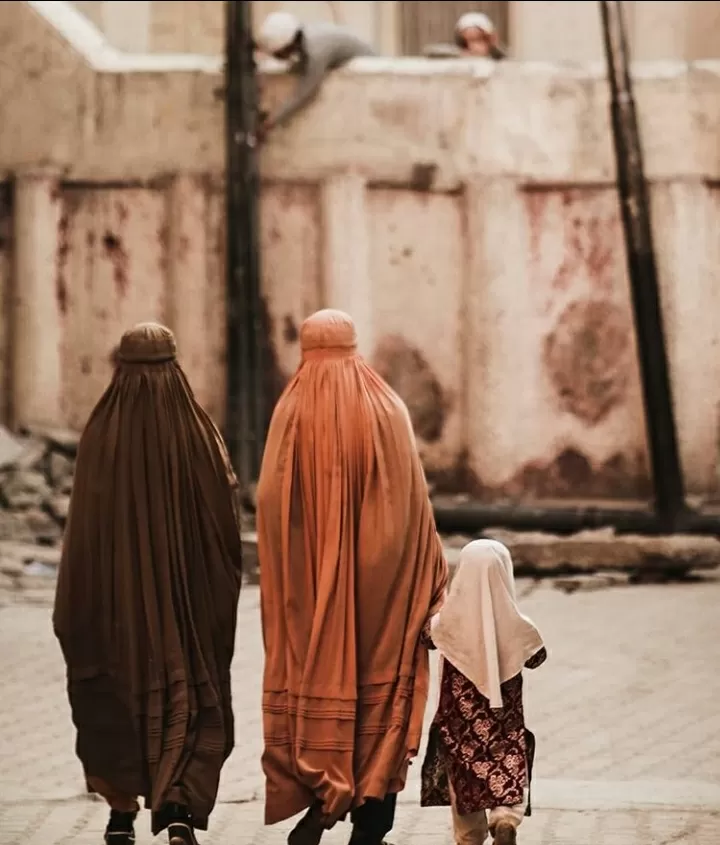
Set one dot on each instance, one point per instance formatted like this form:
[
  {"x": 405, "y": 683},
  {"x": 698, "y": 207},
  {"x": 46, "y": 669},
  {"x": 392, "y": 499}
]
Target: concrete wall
[
  {"x": 465, "y": 214},
  {"x": 547, "y": 30},
  {"x": 197, "y": 26}
]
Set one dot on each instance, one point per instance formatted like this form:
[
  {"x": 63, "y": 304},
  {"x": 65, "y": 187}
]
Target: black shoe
[
  {"x": 361, "y": 839},
  {"x": 181, "y": 833},
  {"x": 309, "y": 830},
  {"x": 120, "y": 829}
]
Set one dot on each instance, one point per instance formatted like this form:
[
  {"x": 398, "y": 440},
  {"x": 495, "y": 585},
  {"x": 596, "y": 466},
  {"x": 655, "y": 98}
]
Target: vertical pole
[
  {"x": 642, "y": 270},
  {"x": 245, "y": 419}
]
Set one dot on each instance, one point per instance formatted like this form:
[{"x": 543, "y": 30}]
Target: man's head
[
  {"x": 476, "y": 35},
  {"x": 280, "y": 35}
]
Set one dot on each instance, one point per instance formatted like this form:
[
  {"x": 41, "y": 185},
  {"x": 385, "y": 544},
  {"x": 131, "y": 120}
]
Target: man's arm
[{"x": 307, "y": 89}]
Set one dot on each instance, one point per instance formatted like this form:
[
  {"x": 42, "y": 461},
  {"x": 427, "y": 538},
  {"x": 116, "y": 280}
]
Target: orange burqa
[{"x": 351, "y": 568}]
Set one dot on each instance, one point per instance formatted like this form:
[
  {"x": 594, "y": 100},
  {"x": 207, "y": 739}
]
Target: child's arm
[
  {"x": 537, "y": 659},
  {"x": 426, "y": 636}
]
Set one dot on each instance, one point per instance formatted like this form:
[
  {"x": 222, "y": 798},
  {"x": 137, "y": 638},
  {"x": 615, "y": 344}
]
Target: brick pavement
[{"x": 625, "y": 712}]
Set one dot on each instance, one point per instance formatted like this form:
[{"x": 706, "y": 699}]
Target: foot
[
  {"x": 505, "y": 833},
  {"x": 309, "y": 830},
  {"x": 117, "y": 837},
  {"x": 120, "y": 829},
  {"x": 361, "y": 840},
  {"x": 181, "y": 833}
]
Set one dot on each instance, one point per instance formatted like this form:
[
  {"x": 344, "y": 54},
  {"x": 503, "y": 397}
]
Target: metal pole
[
  {"x": 642, "y": 270},
  {"x": 245, "y": 413}
]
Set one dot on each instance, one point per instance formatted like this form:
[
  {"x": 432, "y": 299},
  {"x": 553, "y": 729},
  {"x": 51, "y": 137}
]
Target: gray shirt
[{"x": 328, "y": 46}]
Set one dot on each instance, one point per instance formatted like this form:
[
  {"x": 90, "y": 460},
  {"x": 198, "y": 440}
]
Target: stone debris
[
  {"x": 589, "y": 583},
  {"x": 36, "y": 475},
  {"x": 602, "y": 551},
  {"x": 11, "y": 449}
]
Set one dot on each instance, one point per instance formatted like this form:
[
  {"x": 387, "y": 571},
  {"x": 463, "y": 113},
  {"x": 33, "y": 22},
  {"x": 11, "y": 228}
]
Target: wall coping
[{"x": 90, "y": 43}]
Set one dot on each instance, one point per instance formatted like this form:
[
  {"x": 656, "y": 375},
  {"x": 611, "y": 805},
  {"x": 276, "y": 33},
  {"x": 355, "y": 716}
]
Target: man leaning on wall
[{"x": 312, "y": 52}]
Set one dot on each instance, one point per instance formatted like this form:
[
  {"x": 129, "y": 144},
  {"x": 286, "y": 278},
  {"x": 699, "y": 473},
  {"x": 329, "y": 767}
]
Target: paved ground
[{"x": 626, "y": 713}]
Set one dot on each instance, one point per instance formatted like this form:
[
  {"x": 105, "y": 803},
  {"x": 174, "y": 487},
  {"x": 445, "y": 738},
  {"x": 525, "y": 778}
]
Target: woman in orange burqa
[
  {"x": 147, "y": 595},
  {"x": 351, "y": 569}
]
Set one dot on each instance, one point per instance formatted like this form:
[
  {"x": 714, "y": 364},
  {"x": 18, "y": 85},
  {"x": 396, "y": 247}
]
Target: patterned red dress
[{"x": 485, "y": 754}]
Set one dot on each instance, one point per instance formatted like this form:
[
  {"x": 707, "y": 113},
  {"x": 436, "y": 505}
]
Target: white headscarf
[
  {"x": 278, "y": 31},
  {"x": 475, "y": 20},
  {"x": 480, "y": 628}
]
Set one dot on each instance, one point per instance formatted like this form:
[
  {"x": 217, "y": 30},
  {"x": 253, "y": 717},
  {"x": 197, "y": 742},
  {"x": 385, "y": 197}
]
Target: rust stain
[
  {"x": 164, "y": 236},
  {"x": 572, "y": 473},
  {"x": 5, "y": 217},
  {"x": 405, "y": 116},
  {"x": 290, "y": 330},
  {"x": 121, "y": 210},
  {"x": 422, "y": 176},
  {"x": 71, "y": 205},
  {"x": 568, "y": 475},
  {"x": 587, "y": 356},
  {"x": 61, "y": 290},
  {"x": 274, "y": 377},
  {"x": 590, "y": 233},
  {"x": 117, "y": 253},
  {"x": 406, "y": 370}
]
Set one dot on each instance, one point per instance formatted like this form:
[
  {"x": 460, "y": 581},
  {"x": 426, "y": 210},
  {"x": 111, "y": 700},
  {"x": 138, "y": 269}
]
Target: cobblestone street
[{"x": 625, "y": 713}]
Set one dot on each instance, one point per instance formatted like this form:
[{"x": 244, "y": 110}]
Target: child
[{"x": 479, "y": 755}]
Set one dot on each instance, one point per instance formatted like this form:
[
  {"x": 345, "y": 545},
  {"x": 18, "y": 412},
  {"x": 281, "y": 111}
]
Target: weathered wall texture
[
  {"x": 465, "y": 215},
  {"x": 549, "y": 30}
]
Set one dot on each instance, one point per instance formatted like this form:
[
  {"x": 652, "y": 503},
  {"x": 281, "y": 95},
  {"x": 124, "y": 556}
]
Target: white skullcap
[
  {"x": 475, "y": 20},
  {"x": 278, "y": 31}
]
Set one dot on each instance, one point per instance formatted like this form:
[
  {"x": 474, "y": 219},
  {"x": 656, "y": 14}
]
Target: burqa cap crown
[
  {"x": 328, "y": 329},
  {"x": 147, "y": 343}
]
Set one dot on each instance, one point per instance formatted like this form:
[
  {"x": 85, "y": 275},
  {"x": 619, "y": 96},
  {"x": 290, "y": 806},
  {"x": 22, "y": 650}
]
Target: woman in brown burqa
[
  {"x": 147, "y": 595},
  {"x": 351, "y": 569}
]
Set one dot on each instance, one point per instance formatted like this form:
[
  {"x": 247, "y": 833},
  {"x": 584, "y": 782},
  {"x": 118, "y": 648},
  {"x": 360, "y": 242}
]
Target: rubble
[
  {"x": 603, "y": 550},
  {"x": 36, "y": 475}
]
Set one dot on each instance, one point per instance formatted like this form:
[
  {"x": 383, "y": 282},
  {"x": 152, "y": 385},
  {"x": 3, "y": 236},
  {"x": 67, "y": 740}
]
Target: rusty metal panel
[
  {"x": 417, "y": 265},
  {"x": 583, "y": 338},
  {"x": 6, "y": 228},
  {"x": 291, "y": 272},
  {"x": 111, "y": 275}
]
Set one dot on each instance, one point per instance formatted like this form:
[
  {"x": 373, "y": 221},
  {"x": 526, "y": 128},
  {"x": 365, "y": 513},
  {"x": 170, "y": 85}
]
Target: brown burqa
[
  {"x": 148, "y": 586},
  {"x": 351, "y": 568}
]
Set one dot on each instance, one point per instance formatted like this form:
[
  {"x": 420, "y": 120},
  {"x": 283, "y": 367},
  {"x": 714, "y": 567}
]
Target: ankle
[{"x": 121, "y": 822}]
